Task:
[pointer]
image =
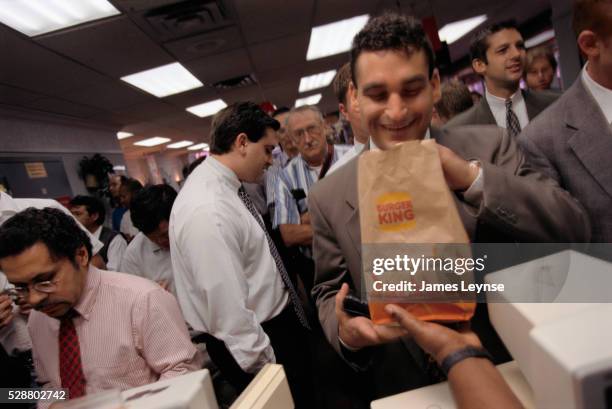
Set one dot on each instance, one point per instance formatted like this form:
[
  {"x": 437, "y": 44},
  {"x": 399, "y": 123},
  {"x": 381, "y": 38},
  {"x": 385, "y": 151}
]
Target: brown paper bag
[{"x": 407, "y": 210}]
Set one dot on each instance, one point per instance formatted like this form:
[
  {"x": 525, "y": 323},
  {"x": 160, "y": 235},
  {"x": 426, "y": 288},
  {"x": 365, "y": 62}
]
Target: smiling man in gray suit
[
  {"x": 499, "y": 198},
  {"x": 498, "y": 55},
  {"x": 572, "y": 141}
]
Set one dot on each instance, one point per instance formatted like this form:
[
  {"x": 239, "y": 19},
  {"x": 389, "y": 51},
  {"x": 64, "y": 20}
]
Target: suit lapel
[
  {"x": 590, "y": 134},
  {"x": 353, "y": 227},
  {"x": 484, "y": 115},
  {"x": 533, "y": 103}
]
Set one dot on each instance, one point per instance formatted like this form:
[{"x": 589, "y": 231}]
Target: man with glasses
[
  {"x": 307, "y": 128},
  {"x": 91, "y": 329}
]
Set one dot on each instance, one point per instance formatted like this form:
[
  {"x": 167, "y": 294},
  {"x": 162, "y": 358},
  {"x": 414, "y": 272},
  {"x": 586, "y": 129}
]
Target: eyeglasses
[
  {"x": 46, "y": 287},
  {"x": 313, "y": 130}
]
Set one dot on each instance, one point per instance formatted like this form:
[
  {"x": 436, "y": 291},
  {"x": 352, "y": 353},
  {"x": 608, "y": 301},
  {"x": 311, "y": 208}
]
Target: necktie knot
[{"x": 509, "y": 103}]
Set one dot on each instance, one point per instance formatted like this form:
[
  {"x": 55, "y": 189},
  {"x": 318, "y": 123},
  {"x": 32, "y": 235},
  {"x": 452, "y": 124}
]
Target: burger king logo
[{"x": 395, "y": 211}]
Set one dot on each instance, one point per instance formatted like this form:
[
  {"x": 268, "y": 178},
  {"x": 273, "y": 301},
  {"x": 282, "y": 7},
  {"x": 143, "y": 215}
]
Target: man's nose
[
  {"x": 35, "y": 297},
  {"x": 396, "y": 108}
]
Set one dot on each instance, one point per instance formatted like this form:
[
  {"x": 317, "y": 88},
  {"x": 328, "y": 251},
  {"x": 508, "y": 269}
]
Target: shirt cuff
[
  {"x": 473, "y": 195},
  {"x": 349, "y": 348}
]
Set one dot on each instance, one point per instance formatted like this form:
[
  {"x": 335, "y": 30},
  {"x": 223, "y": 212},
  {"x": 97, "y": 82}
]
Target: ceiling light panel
[
  {"x": 316, "y": 81},
  {"x": 200, "y": 146},
  {"x": 309, "y": 100},
  {"x": 179, "y": 145},
  {"x": 35, "y": 17},
  {"x": 124, "y": 135},
  {"x": 156, "y": 140},
  {"x": 540, "y": 38},
  {"x": 334, "y": 38},
  {"x": 207, "y": 108},
  {"x": 454, "y": 31},
  {"x": 162, "y": 81}
]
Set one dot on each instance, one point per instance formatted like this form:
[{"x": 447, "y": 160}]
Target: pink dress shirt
[{"x": 131, "y": 333}]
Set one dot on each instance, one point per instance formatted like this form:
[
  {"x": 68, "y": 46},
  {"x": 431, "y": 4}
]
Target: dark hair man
[
  {"x": 229, "y": 279},
  {"x": 498, "y": 55},
  {"x": 540, "y": 68},
  {"x": 148, "y": 254},
  {"x": 572, "y": 141},
  {"x": 91, "y": 213},
  {"x": 395, "y": 84},
  {"x": 350, "y": 114},
  {"x": 128, "y": 189},
  {"x": 455, "y": 98},
  {"x": 114, "y": 184},
  {"x": 45, "y": 255}
]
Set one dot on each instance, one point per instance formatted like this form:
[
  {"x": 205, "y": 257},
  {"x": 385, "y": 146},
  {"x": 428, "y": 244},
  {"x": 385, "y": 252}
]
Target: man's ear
[
  {"x": 82, "y": 257},
  {"x": 241, "y": 143},
  {"x": 435, "y": 85},
  {"x": 343, "y": 110},
  {"x": 479, "y": 66},
  {"x": 352, "y": 95},
  {"x": 587, "y": 43}
]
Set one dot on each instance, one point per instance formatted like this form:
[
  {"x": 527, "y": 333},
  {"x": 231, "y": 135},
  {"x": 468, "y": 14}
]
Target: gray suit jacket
[
  {"x": 572, "y": 142},
  {"x": 481, "y": 114},
  {"x": 518, "y": 204}
]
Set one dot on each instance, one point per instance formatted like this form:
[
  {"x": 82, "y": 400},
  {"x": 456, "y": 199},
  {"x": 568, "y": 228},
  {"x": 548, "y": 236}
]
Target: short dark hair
[
  {"x": 50, "y": 226},
  {"x": 455, "y": 99},
  {"x": 151, "y": 206},
  {"x": 480, "y": 40},
  {"x": 92, "y": 204},
  {"x": 392, "y": 31},
  {"x": 341, "y": 83},
  {"x": 133, "y": 185},
  {"x": 279, "y": 110},
  {"x": 590, "y": 15},
  {"x": 241, "y": 117}
]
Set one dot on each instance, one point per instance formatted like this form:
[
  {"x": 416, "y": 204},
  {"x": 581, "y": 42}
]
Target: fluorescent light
[
  {"x": 207, "y": 108},
  {"x": 124, "y": 135},
  {"x": 35, "y": 17},
  {"x": 162, "y": 81},
  {"x": 316, "y": 81},
  {"x": 156, "y": 140},
  {"x": 309, "y": 100},
  {"x": 334, "y": 38},
  {"x": 540, "y": 38},
  {"x": 119, "y": 168},
  {"x": 454, "y": 31},
  {"x": 179, "y": 145},
  {"x": 200, "y": 146}
]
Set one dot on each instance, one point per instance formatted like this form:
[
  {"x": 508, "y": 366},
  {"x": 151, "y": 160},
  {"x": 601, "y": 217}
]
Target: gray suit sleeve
[
  {"x": 529, "y": 205},
  {"x": 330, "y": 272}
]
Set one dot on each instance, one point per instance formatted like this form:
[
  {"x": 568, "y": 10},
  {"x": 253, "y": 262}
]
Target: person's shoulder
[
  {"x": 332, "y": 184},
  {"x": 464, "y": 118},
  {"x": 546, "y": 97},
  {"x": 135, "y": 246},
  {"x": 471, "y": 132},
  {"x": 128, "y": 285}
]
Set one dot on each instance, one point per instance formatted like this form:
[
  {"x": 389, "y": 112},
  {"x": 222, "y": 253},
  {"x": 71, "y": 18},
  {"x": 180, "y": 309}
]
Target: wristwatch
[{"x": 468, "y": 352}]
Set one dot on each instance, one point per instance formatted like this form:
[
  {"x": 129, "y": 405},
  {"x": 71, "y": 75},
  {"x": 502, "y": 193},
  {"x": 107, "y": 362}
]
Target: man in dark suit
[
  {"x": 572, "y": 141},
  {"x": 498, "y": 55},
  {"x": 395, "y": 85}
]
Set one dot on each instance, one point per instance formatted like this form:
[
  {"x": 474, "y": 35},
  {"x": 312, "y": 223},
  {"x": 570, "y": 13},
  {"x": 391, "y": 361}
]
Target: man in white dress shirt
[
  {"x": 148, "y": 254},
  {"x": 348, "y": 111},
  {"x": 129, "y": 188},
  {"x": 229, "y": 279},
  {"x": 91, "y": 213}
]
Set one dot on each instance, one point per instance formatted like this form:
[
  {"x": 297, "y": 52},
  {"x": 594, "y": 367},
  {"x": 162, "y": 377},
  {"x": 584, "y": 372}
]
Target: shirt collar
[
  {"x": 226, "y": 173},
  {"x": 500, "y": 103},
  {"x": 373, "y": 146},
  {"x": 8, "y": 207},
  {"x": 90, "y": 292},
  {"x": 602, "y": 95},
  {"x": 98, "y": 232}
]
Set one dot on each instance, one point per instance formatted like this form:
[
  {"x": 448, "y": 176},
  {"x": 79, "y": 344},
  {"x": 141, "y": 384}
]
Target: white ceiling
[{"x": 75, "y": 72}]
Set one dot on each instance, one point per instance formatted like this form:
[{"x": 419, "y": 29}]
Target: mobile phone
[{"x": 355, "y": 307}]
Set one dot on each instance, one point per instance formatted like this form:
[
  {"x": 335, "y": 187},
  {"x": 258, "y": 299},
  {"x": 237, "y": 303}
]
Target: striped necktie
[
  {"x": 512, "y": 123},
  {"x": 295, "y": 300}
]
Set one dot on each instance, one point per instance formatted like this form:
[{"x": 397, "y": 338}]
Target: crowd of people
[{"x": 251, "y": 261}]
